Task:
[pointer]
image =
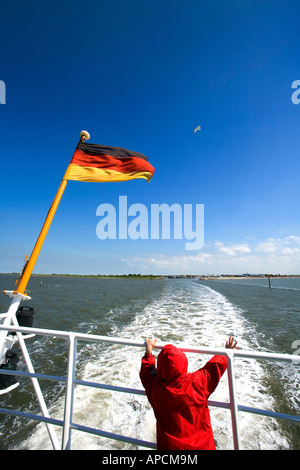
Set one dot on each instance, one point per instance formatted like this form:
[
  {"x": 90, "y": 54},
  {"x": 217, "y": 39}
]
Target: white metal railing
[{"x": 67, "y": 423}]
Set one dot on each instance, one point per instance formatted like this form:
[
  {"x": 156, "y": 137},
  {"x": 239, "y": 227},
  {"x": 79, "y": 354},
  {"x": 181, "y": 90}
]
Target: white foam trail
[{"x": 186, "y": 313}]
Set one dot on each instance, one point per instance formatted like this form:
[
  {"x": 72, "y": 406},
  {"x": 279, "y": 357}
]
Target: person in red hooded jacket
[{"x": 179, "y": 398}]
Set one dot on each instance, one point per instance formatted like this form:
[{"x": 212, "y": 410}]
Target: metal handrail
[{"x": 67, "y": 423}]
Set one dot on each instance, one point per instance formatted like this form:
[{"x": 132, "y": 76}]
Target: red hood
[{"x": 172, "y": 366}]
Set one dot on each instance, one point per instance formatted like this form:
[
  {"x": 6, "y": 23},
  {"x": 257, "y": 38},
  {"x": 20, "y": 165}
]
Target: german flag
[{"x": 99, "y": 163}]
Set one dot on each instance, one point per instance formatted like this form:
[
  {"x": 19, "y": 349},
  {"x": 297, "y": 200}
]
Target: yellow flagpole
[
  {"x": 39, "y": 243},
  {"x": 29, "y": 265}
]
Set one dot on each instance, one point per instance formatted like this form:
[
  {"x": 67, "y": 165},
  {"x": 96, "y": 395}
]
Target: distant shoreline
[
  {"x": 162, "y": 276},
  {"x": 98, "y": 276}
]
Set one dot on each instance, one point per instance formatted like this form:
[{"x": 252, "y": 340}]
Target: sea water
[{"x": 179, "y": 311}]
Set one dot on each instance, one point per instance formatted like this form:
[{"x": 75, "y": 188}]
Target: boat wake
[{"x": 185, "y": 313}]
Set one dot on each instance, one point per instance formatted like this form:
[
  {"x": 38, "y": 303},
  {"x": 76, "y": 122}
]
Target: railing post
[
  {"x": 36, "y": 386},
  {"x": 13, "y": 308},
  {"x": 66, "y": 439},
  {"x": 233, "y": 401}
]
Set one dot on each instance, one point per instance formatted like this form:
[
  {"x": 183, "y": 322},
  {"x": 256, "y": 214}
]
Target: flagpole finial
[{"x": 84, "y": 135}]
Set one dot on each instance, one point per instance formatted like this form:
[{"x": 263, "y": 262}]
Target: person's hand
[
  {"x": 231, "y": 343},
  {"x": 150, "y": 343}
]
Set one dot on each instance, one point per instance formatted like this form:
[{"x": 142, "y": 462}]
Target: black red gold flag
[{"x": 100, "y": 163}]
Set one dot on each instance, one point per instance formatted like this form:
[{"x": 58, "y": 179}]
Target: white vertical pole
[
  {"x": 11, "y": 319},
  {"x": 233, "y": 401},
  {"x": 66, "y": 440},
  {"x": 36, "y": 386},
  {"x": 13, "y": 308}
]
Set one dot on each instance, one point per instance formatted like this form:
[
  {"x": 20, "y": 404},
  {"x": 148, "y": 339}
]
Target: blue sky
[{"x": 142, "y": 75}]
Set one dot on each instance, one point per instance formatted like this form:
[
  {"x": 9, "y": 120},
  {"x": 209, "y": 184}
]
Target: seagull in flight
[{"x": 198, "y": 128}]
